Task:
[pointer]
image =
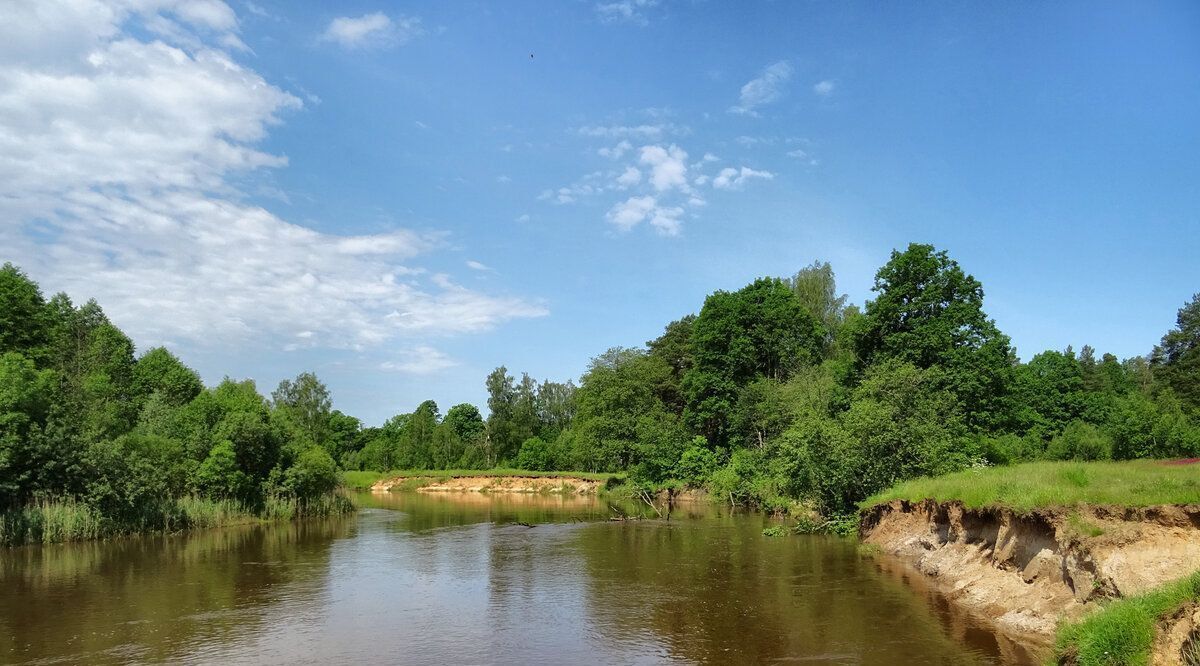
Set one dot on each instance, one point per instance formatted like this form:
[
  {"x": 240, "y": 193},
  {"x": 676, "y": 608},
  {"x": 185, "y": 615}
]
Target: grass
[
  {"x": 67, "y": 520},
  {"x": 1045, "y": 484},
  {"x": 1123, "y": 631},
  {"x": 363, "y": 480}
]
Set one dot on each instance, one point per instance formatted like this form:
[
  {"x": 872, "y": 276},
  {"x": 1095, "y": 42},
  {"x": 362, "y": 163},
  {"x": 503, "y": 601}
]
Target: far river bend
[{"x": 416, "y": 578}]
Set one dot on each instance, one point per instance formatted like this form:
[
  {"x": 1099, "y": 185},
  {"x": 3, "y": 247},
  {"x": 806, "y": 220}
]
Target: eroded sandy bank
[
  {"x": 492, "y": 484},
  {"x": 1025, "y": 572}
]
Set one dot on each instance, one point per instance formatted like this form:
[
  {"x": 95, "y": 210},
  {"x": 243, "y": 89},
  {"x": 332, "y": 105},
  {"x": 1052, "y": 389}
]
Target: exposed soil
[
  {"x": 1025, "y": 572},
  {"x": 493, "y": 484},
  {"x": 1176, "y": 634}
]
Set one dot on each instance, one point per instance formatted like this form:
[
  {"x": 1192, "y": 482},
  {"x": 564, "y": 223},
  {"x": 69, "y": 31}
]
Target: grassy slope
[
  {"x": 1123, "y": 632},
  {"x": 364, "y": 480},
  {"x": 1043, "y": 484}
]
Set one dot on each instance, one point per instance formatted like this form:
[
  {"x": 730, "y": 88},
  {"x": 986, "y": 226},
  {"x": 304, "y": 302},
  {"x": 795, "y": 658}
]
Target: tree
[
  {"x": 313, "y": 475},
  {"x": 501, "y": 428},
  {"x": 23, "y": 314},
  {"x": 307, "y": 403},
  {"x": 469, "y": 429},
  {"x": 535, "y": 455},
  {"x": 816, "y": 289},
  {"x": 416, "y": 442},
  {"x": 160, "y": 371},
  {"x": 617, "y": 398},
  {"x": 1176, "y": 360},
  {"x": 674, "y": 347},
  {"x": 761, "y": 330},
  {"x": 929, "y": 313},
  {"x": 25, "y": 402}
]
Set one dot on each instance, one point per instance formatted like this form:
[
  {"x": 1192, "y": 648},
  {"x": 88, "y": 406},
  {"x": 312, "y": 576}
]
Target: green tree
[
  {"x": 314, "y": 474},
  {"x": 306, "y": 402},
  {"x": 760, "y": 331},
  {"x": 535, "y": 455},
  {"x": 929, "y": 313},
  {"x": 816, "y": 289},
  {"x": 1176, "y": 360},
  {"x": 160, "y": 371},
  {"x": 25, "y": 403},
  {"x": 23, "y": 316}
]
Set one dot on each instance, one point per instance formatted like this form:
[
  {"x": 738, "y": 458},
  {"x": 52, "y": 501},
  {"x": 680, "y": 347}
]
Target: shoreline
[{"x": 1029, "y": 572}]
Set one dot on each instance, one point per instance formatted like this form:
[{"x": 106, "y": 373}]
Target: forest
[
  {"x": 775, "y": 393},
  {"x": 782, "y": 391}
]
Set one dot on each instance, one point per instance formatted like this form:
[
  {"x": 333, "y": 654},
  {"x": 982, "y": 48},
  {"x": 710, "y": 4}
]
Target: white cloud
[
  {"x": 643, "y": 132},
  {"x": 630, "y": 177},
  {"x": 118, "y": 164},
  {"x": 734, "y": 179},
  {"x": 522, "y": 218},
  {"x": 503, "y": 179},
  {"x": 477, "y": 266},
  {"x": 624, "y": 10},
  {"x": 763, "y": 90},
  {"x": 420, "y": 360},
  {"x": 668, "y": 166},
  {"x": 629, "y": 213},
  {"x": 617, "y": 151},
  {"x": 376, "y": 30},
  {"x": 824, "y": 88},
  {"x": 633, "y": 211}
]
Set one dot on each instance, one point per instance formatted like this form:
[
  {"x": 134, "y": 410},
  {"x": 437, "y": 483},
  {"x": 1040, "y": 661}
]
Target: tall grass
[
  {"x": 1123, "y": 632},
  {"x": 67, "y": 520},
  {"x": 1044, "y": 484}
]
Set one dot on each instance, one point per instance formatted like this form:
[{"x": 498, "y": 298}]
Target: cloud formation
[
  {"x": 629, "y": 11},
  {"x": 376, "y": 30},
  {"x": 420, "y": 360},
  {"x": 119, "y": 164},
  {"x": 764, "y": 89},
  {"x": 824, "y": 88}
]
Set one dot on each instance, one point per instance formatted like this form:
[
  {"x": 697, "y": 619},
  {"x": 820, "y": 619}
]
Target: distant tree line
[{"x": 775, "y": 392}]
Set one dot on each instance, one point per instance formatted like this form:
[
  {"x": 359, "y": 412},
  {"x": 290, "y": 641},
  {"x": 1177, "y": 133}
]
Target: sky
[{"x": 400, "y": 197}]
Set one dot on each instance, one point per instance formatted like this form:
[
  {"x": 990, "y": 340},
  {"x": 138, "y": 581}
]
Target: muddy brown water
[{"x": 453, "y": 578}]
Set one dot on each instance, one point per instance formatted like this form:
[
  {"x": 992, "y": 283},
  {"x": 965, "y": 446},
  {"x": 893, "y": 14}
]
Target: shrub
[
  {"x": 535, "y": 455},
  {"x": 313, "y": 475}
]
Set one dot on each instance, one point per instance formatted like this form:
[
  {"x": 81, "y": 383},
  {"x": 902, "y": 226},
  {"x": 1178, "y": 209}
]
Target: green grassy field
[
  {"x": 364, "y": 480},
  {"x": 1123, "y": 632},
  {"x": 1044, "y": 484}
]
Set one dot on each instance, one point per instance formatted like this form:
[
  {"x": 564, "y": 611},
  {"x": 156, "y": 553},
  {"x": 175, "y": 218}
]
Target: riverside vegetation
[{"x": 778, "y": 395}]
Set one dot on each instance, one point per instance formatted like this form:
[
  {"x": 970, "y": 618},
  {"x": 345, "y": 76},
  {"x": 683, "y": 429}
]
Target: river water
[{"x": 454, "y": 578}]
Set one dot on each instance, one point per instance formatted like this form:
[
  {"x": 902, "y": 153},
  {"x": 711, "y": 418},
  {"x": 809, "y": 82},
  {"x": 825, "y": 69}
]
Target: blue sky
[{"x": 397, "y": 197}]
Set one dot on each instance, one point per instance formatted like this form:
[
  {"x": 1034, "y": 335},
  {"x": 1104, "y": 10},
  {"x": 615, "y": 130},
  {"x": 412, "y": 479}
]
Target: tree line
[
  {"x": 782, "y": 390},
  {"x": 138, "y": 442},
  {"x": 775, "y": 392}
]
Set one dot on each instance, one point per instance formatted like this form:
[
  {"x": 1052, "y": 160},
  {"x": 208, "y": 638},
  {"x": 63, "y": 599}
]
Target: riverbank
[
  {"x": 65, "y": 521},
  {"x": 493, "y": 480},
  {"x": 1037, "y": 548}
]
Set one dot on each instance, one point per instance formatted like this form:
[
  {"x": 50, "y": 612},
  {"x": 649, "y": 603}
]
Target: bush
[
  {"x": 697, "y": 463},
  {"x": 312, "y": 476},
  {"x": 535, "y": 455},
  {"x": 1080, "y": 441},
  {"x": 219, "y": 477}
]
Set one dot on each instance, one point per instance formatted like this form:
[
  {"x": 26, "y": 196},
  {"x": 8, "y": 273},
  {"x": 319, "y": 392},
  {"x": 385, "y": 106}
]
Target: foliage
[
  {"x": 1124, "y": 631},
  {"x": 535, "y": 455},
  {"x": 1047, "y": 484},
  {"x": 1176, "y": 359}
]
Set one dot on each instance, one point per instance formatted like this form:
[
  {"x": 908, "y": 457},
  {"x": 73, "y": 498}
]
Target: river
[{"x": 454, "y": 578}]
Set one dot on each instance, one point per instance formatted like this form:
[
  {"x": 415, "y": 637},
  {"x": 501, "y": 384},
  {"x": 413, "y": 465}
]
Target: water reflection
[{"x": 456, "y": 578}]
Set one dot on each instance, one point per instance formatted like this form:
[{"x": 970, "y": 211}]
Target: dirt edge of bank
[{"x": 1026, "y": 572}]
